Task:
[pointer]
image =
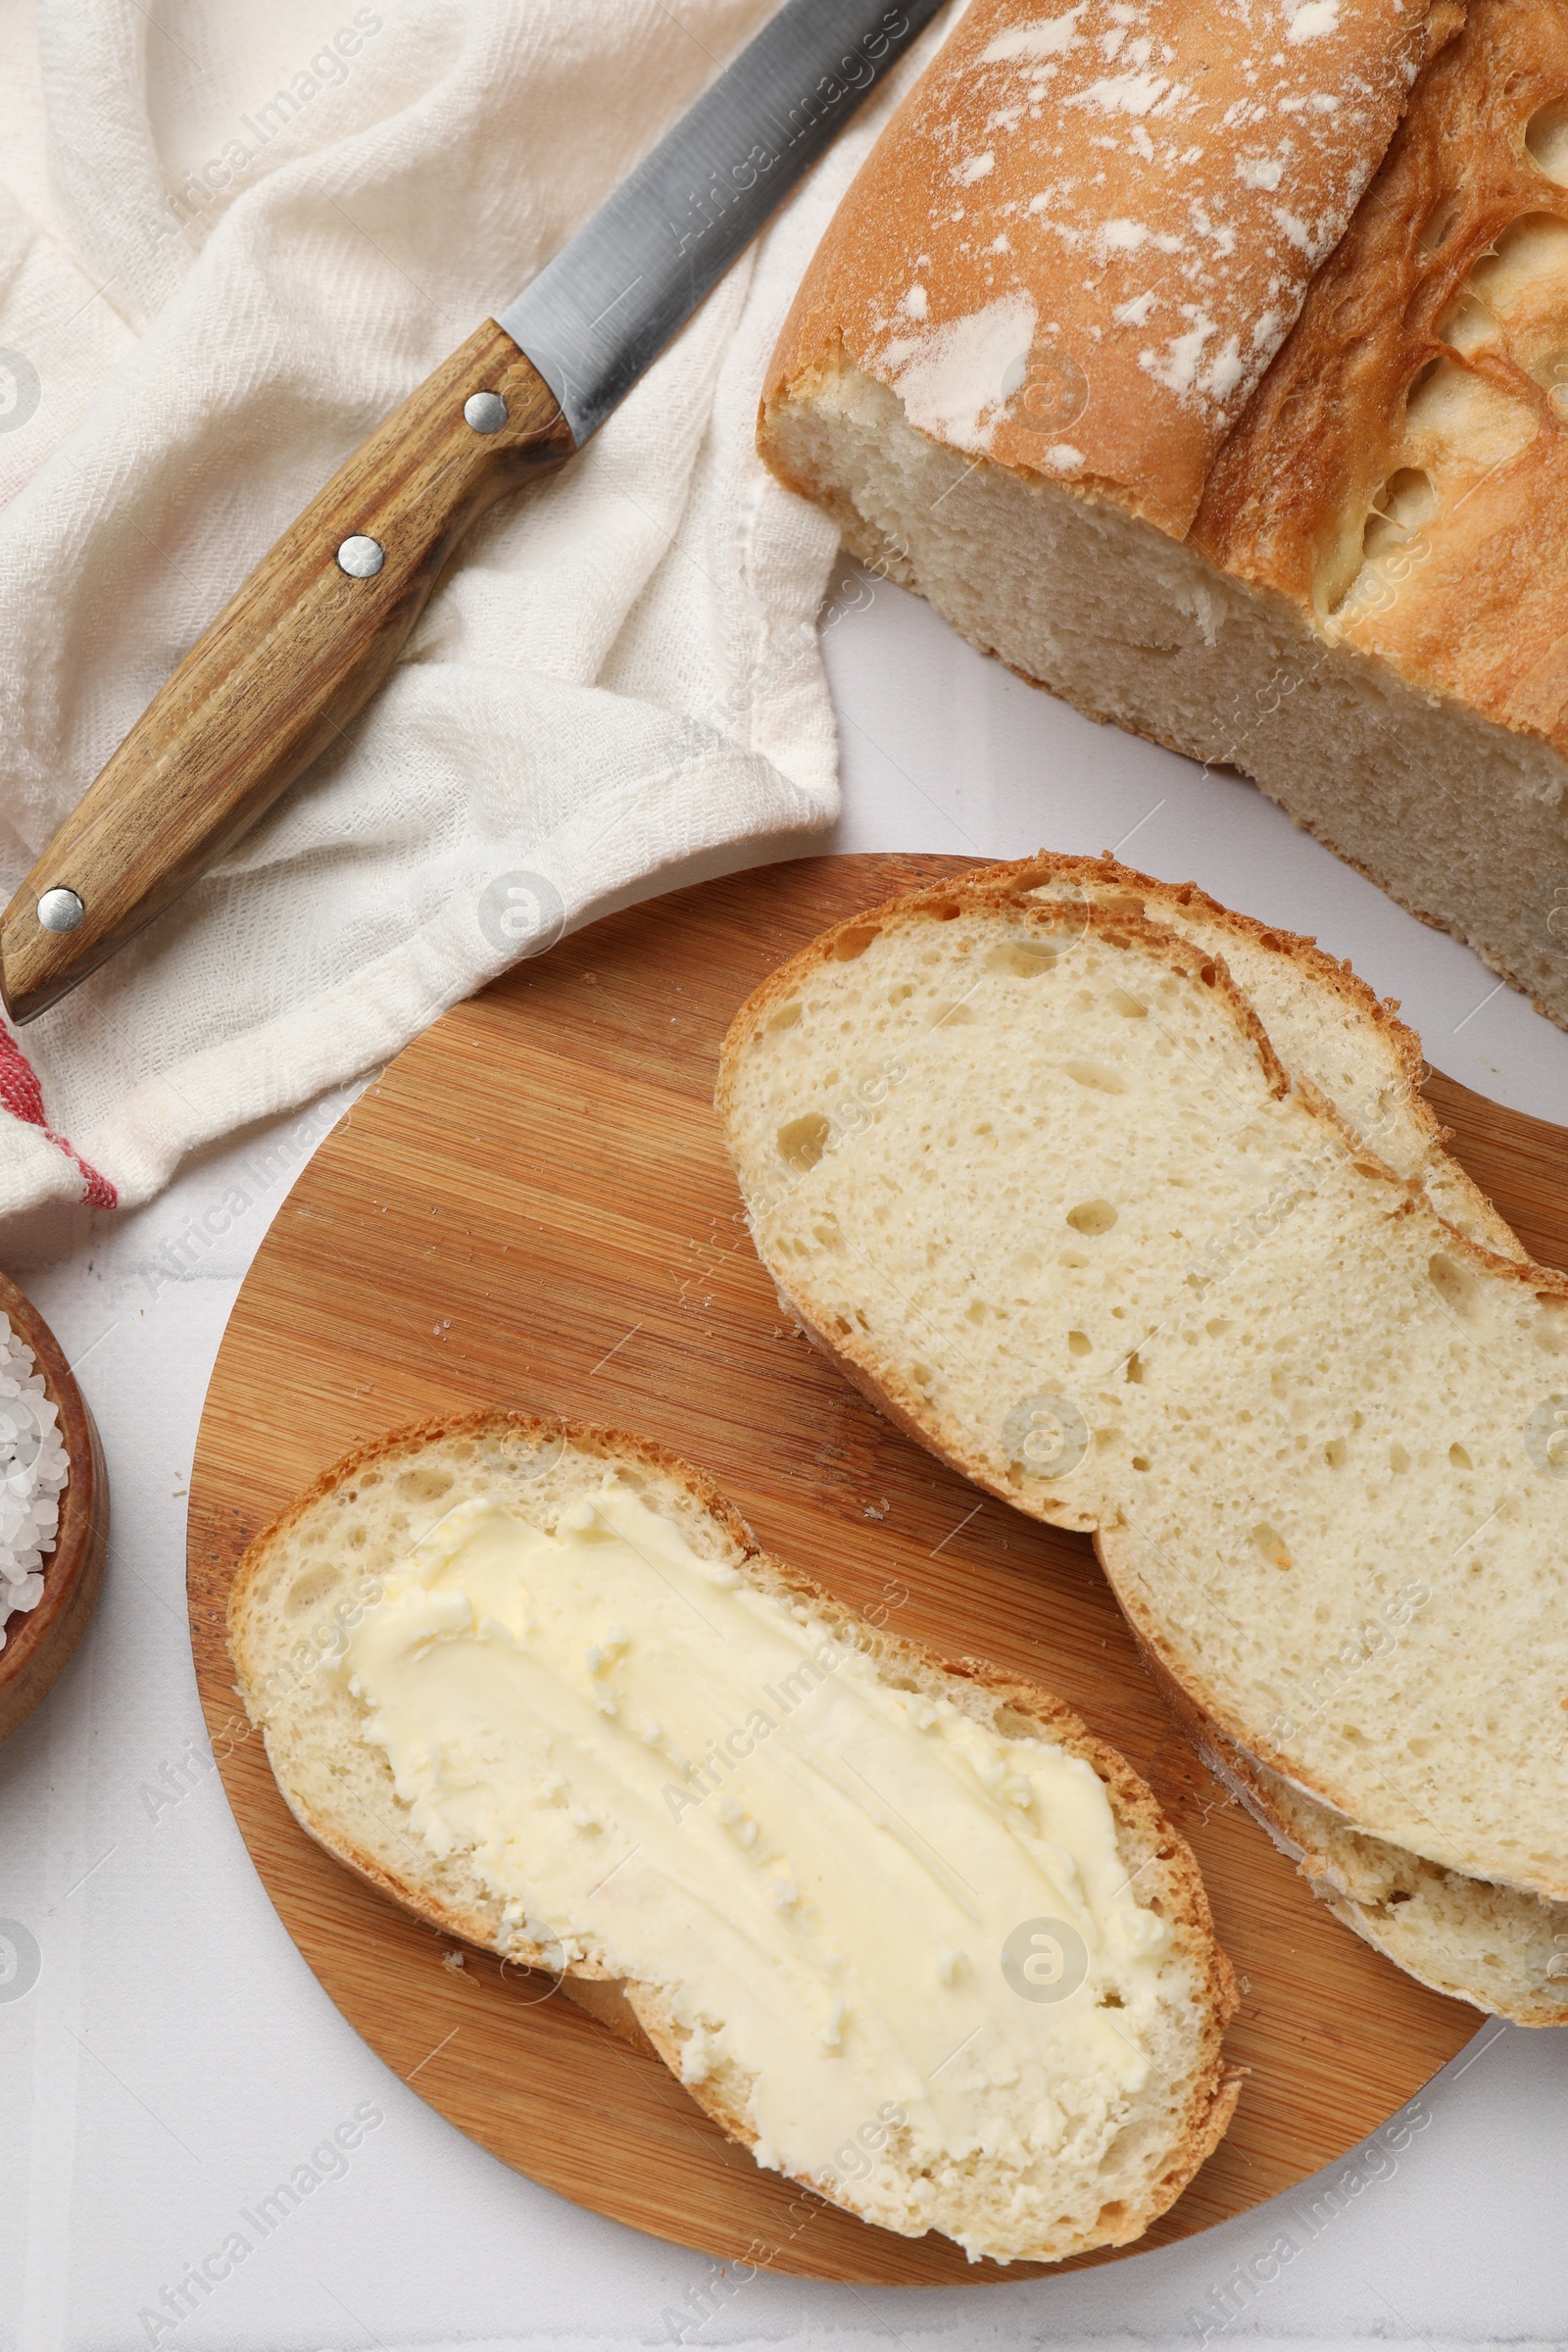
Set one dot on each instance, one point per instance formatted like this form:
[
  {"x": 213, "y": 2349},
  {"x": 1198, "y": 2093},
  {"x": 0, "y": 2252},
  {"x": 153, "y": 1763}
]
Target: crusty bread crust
[
  {"x": 1469, "y": 600},
  {"x": 1139, "y": 202},
  {"x": 1146, "y": 1839}
]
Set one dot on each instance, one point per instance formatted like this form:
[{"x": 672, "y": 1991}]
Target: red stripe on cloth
[{"x": 23, "y": 1097}]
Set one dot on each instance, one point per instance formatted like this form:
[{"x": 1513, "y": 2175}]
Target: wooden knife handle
[{"x": 285, "y": 665}]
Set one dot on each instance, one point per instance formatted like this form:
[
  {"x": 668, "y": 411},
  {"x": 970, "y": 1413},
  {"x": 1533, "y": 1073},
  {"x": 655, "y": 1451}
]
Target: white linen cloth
[{"x": 230, "y": 241}]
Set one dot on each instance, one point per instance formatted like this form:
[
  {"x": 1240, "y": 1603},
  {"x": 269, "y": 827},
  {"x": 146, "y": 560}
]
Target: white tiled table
[{"x": 175, "y": 2059}]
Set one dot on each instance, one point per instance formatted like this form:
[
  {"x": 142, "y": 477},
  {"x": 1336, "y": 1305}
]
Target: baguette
[
  {"x": 967, "y": 2149},
  {"x": 1086, "y": 360},
  {"x": 1035, "y": 1174}
]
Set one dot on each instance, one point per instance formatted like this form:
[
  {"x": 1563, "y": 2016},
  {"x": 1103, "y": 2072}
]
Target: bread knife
[{"x": 308, "y": 638}]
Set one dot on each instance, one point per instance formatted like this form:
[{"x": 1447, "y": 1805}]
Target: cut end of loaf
[
  {"x": 1139, "y": 630},
  {"x": 1325, "y": 549}
]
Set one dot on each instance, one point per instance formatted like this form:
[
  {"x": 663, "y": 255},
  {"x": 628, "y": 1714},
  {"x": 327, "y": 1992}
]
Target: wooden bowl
[{"x": 40, "y": 1644}]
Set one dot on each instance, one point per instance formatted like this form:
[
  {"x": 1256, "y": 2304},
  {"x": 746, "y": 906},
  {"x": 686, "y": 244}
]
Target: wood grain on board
[{"x": 532, "y": 1207}]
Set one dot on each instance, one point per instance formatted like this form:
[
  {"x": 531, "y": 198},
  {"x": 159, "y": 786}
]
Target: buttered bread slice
[
  {"x": 1032, "y": 1169},
  {"x": 905, "y": 1929}
]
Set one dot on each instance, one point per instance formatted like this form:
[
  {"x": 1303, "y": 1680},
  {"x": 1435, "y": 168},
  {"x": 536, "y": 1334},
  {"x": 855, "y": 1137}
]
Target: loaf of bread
[
  {"x": 1028, "y": 1163},
  {"x": 1113, "y": 354},
  {"x": 903, "y": 1928}
]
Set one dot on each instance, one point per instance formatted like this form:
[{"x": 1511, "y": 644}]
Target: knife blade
[
  {"x": 304, "y": 643},
  {"x": 596, "y": 317}
]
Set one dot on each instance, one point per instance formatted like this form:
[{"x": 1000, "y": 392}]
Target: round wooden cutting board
[{"x": 532, "y": 1207}]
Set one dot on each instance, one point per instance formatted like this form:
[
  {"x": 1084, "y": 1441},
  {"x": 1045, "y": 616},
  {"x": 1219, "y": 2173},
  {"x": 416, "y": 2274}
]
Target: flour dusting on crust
[
  {"x": 1162, "y": 182},
  {"x": 956, "y": 383}
]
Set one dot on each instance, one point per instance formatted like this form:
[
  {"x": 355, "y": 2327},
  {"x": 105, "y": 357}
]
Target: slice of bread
[
  {"x": 1504, "y": 1951},
  {"x": 318, "y": 1569},
  {"x": 1033, "y": 1171},
  {"x": 1488, "y": 1944}
]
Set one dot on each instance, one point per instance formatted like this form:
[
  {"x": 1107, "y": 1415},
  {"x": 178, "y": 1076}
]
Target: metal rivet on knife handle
[
  {"x": 60, "y": 909},
  {"x": 485, "y": 411},
  {"x": 284, "y": 670},
  {"x": 360, "y": 558}
]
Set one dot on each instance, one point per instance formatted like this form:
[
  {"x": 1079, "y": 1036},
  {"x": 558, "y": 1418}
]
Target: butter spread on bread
[{"x": 908, "y": 1932}]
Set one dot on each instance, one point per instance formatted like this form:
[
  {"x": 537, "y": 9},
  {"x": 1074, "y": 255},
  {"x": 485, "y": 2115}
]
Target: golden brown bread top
[
  {"x": 1082, "y": 236},
  {"x": 1403, "y": 471}
]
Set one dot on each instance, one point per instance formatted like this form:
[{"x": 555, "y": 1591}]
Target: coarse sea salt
[{"x": 34, "y": 1470}]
